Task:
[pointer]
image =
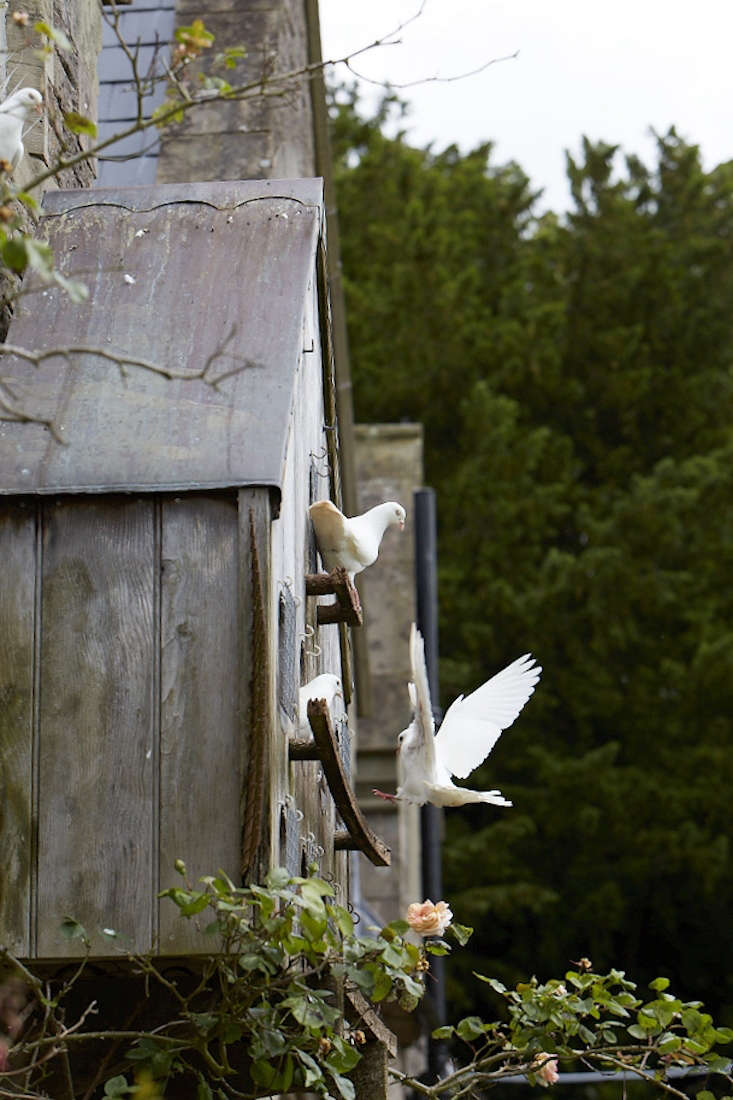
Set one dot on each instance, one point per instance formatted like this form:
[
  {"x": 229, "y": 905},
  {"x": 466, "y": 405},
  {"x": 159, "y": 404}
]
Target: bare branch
[{"x": 432, "y": 79}]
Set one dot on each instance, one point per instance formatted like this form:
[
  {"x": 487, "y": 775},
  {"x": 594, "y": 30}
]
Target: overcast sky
[{"x": 609, "y": 70}]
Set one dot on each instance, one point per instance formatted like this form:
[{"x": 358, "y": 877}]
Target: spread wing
[
  {"x": 420, "y": 697},
  {"x": 472, "y": 725}
]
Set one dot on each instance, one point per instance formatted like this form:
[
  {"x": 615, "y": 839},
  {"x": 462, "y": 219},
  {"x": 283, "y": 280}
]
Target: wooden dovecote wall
[{"x": 155, "y": 539}]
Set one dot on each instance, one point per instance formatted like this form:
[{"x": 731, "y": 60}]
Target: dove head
[
  {"x": 397, "y": 515},
  {"x": 406, "y": 741},
  {"x": 23, "y": 103}
]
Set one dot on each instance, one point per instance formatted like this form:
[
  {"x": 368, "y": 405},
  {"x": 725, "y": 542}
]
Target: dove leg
[{"x": 384, "y": 795}]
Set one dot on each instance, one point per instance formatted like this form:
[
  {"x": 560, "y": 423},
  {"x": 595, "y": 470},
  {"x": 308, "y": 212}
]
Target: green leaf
[
  {"x": 15, "y": 254},
  {"x": 344, "y": 1085},
  {"x": 196, "y": 905},
  {"x": 659, "y": 984},
  {"x": 462, "y": 932},
  {"x": 437, "y": 947},
  {"x": 343, "y": 1057},
  {"x": 27, "y": 200},
  {"x": 72, "y": 930},
  {"x": 278, "y": 878},
  {"x": 116, "y": 1086},
  {"x": 53, "y": 33},
  {"x": 470, "y": 1027},
  {"x": 444, "y": 1032},
  {"x": 79, "y": 124},
  {"x": 396, "y": 928},
  {"x": 637, "y": 1032},
  {"x": 342, "y": 919},
  {"x": 312, "y": 1071},
  {"x": 716, "y": 1064},
  {"x": 204, "y": 1021},
  {"x": 495, "y": 984},
  {"x": 263, "y": 1073}
]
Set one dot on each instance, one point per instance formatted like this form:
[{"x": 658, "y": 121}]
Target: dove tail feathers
[{"x": 494, "y": 798}]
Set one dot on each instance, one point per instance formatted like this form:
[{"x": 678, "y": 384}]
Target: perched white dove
[
  {"x": 469, "y": 731},
  {"x": 14, "y": 113},
  {"x": 326, "y": 686},
  {"x": 354, "y": 543}
]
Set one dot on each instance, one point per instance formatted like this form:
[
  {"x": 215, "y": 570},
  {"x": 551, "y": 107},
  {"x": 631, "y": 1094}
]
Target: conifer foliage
[{"x": 573, "y": 374}]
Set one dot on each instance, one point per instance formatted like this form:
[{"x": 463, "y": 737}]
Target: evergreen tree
[{"x": 574, "y": 379}]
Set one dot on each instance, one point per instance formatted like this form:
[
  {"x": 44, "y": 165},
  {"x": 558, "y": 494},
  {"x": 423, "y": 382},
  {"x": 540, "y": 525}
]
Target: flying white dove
[
  {"x": 14, "y": 113},
  {"x": 354, "y": 543},
  {"x": 469, "y": 731},
  {"x": 326, "y": 686}
]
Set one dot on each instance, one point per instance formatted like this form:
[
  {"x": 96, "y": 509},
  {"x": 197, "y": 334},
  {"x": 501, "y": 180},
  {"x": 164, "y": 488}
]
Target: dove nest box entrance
[{"x": 347, "y": 606}]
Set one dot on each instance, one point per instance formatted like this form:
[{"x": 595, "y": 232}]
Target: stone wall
[
  {"x": 389, "y": 466},
  {"x": 270, "y": 136},
  {"x": 67, "y": 79}
]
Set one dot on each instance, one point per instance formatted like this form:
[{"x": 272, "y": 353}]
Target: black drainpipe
[{"x": 431, "y": 817}]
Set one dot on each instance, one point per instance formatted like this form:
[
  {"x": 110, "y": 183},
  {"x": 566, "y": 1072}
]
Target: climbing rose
[
  {"x": 547, "y": 1074},
  {"x": 429, "y": 919}
]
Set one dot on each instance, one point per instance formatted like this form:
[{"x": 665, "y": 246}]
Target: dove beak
[{"x": 402, "y": 525}]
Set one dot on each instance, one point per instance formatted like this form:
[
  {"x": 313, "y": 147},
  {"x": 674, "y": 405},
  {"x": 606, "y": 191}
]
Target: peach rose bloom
[
  {"x": 428, "y": 919},
  {"x": 546, "y": 1074}
]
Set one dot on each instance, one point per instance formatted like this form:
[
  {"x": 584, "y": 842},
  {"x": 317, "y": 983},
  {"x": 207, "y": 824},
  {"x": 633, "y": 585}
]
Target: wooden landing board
[
  {"x": 347, "y": 606},
  {"x": 358, "y": 836}
]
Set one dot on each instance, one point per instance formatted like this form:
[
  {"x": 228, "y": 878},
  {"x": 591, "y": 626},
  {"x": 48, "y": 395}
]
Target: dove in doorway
[
  {"x": 14, "y": 113},
  {"x": 469, "y": 731},
  {"x": 326, "y": 686},
  {"x": 354, "y": 543}
]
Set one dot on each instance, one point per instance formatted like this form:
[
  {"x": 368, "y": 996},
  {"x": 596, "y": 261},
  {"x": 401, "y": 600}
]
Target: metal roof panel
[{"x": 179, "y": 276}]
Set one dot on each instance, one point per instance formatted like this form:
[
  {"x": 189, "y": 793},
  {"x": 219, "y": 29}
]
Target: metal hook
[{"x": 308, "y": 634}]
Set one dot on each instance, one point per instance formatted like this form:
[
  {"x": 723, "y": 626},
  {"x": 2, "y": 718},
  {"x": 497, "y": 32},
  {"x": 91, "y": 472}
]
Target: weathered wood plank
[
  {"x": 17, "y": 599},
  {"x": 200, "y": 775},
  {"x": 260, "y": 825},
  {"x": 97, "y": 722}
]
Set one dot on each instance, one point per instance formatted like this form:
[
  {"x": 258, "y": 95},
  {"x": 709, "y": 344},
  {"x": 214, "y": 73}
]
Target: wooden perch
[
  {"x": 346, "y": 609},
  {"x": 324, "y": 747}
]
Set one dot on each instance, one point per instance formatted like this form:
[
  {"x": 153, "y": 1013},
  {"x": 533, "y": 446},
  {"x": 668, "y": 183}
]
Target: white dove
[
  {"x": 326, "y": 686},
  {"x": 469, "y": 731},
  {"x": 14, "y": 113},
  {"x": 354, "y": 543}
]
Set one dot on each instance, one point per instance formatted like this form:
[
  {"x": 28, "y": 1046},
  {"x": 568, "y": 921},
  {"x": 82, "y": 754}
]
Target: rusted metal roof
[{"x": 180, "y": 276}]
